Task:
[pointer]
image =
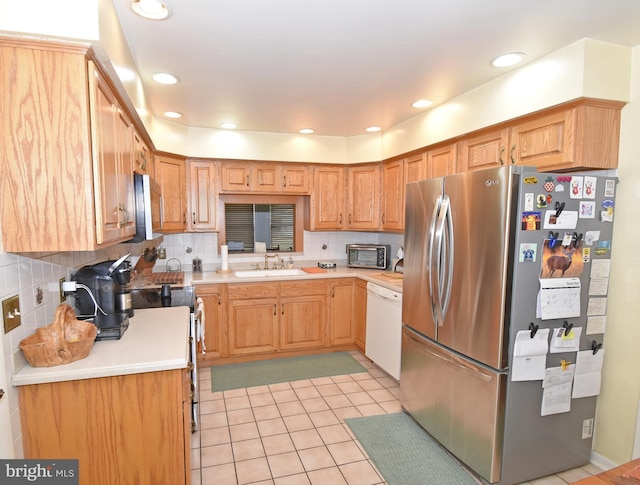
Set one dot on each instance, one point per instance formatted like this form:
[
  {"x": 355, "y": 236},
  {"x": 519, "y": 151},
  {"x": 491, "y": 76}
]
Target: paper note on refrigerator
[
  {"x": 530, "y": 355},
  {"x": 563, "y": 341},
  {"x": 588, "y": 375},
  {"x": 556, "y": 394},
  {"x": 558, "y": 298}
]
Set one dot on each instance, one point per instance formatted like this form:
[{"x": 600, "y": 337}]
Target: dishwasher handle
[{"x": 382, "y": 292}]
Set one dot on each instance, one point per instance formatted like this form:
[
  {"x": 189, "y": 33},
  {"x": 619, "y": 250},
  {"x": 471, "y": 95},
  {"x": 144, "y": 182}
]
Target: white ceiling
[{"x": 339, "y": 66}]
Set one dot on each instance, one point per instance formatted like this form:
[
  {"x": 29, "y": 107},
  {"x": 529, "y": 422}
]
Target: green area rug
[
  {"x": 405, "y": 453},
  {"x": 251, "y": 374}
]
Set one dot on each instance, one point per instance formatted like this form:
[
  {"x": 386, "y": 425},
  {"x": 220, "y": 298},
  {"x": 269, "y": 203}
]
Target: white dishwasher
[{"x": 383, "y": 339}]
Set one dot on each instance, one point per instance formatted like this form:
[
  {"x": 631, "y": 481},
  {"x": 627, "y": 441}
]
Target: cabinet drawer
[
  {"x": 301, "y": 288},
  {"x": 248, "y": 290}
]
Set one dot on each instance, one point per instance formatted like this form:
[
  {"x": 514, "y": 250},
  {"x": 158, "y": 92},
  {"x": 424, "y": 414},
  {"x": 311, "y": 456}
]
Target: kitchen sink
[{"x": 255, "y": 273}]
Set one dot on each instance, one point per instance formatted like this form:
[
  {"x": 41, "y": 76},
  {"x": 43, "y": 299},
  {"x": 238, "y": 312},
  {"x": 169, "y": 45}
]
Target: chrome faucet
[{"x": 266, "y": 260}]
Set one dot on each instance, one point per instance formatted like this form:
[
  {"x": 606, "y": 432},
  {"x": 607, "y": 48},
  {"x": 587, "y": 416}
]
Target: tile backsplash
[{"x": 318, "y": 246}]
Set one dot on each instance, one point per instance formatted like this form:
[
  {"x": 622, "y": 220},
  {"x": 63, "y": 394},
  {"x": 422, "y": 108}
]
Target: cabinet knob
[{"x": 1, "y": 393}]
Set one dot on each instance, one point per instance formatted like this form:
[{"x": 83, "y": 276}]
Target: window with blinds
[{"x": 272, "y": 224}]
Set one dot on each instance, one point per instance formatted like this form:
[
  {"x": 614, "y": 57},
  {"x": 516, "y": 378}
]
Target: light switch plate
[{"x": 11, "y": 313}]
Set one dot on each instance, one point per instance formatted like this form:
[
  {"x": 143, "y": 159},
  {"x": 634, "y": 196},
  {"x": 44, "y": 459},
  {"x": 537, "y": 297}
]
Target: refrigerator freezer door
[
  {"x": 418, "y": 309},
  {"x": 459, "y": 403},
  {"x": 483, "y": 209}
]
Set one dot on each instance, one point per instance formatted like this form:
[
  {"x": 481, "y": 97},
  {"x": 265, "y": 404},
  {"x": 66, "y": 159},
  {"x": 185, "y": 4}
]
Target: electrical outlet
[
  {"x": 63, "y": 298},
  {"x": 11, "y": 313}
]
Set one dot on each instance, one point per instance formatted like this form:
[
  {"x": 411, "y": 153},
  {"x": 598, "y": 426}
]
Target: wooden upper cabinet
[
  {"x": 295, "y": 178},
  {"x": 143, "y": 159},
  {"x": 486, "y": 150},
  {"x": 393, "y": 182},
  {"x": 583, "y": 136},
  {"x": 415, "y": 168},
  {"x": 363, "y": 202},
  {"x": 264, "y": 177},
  {"x": 235, "y": 177},
  {"x": 171, "y": 175},
  {"x": 63, "y": 186},
  {"x": 442, "y": 161},
  {"x": 327, "y": 198},
  {"x": 202, "y": 196}
]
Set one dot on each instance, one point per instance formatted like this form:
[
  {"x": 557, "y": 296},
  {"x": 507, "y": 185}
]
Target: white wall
[{"x": 617, "y": 416}]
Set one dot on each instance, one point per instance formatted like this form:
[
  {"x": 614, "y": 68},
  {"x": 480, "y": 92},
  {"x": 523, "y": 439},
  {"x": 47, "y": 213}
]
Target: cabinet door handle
[
  {"x": 275, "y": 309},
  {"x": 282, "y": 306},
  {"x": 123, "y": 216},
  {"x": 247, "y": 181},
  {"x": 513, "y": 149},
  {"x": 284, "y": 180},
  {"x": 340, "y": 222},
  {"x": 383, "y": 218},
  {"x": 184, "y": 218},
  {"x": 349, "y": 218},
  {"x": 193, "y": 218},
  {"x": 500, "y": 156}
]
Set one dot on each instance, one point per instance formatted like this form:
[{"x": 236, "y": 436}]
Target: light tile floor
[{"x": 294, "y": 433}]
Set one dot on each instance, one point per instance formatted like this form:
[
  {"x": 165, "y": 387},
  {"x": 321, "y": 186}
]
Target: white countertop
[
  {"x": 380, "y": 277},
  {"x": 156, "y": 340}
]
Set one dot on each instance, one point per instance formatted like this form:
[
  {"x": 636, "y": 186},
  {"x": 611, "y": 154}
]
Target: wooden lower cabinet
[
  {"x": 361, "y": 314},
  {"x": 265, "y": 320},
  {"x": 253, "y": 322},
  {"x": 303, "y": 315},
  {"x": 342, "y": 317},
  {"x": 130, "y": 429}
]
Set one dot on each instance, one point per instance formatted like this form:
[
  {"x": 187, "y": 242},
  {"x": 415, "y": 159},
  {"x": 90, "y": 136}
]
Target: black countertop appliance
[{"x": 103, "y": 297}]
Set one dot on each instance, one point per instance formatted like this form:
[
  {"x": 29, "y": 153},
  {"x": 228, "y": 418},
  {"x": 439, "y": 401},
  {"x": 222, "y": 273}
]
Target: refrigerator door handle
[
  {"x": 448, "y": 242},
  {"x": 432, "y": 272},
  {"x": 440, "y": 252},
  {"x": 451, "y": 360}
]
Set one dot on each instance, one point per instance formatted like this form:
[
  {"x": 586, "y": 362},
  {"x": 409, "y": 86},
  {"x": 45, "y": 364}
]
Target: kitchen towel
[{"x": 199, "y": 317}]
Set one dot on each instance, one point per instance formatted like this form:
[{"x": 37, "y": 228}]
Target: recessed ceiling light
[
  {"x": 422, "y": 103},
  {"x": 164, "y": 78},
  {"x": 373, "y": 129},
  {"x": 151, "y": 9},
  {"x": 506, "y": 60},
  {"x": 172, "y": 114},
  {"x": 228, "y": 126},
  {"x": 306, "y": 131}
]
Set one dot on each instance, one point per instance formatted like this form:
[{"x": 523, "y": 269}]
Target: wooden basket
[{"x": 65, "y": 340}]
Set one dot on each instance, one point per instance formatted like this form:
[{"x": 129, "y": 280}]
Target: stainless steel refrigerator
[{"x": 479, "y": 247}]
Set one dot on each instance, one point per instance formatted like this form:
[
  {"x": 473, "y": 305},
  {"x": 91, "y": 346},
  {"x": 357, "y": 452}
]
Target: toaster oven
[{"x": 373, "y": 256}]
